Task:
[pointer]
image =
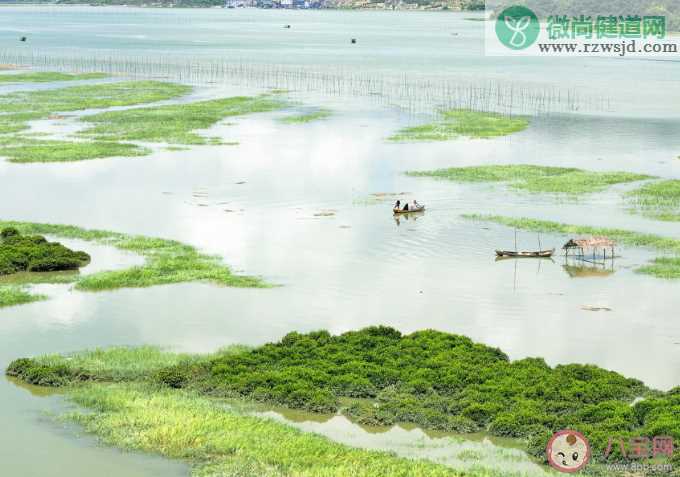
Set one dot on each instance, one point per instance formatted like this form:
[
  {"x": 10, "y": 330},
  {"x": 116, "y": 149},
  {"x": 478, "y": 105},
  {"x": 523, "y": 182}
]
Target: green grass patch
[
  {"x": 307, "y": 117},
  {"x": 48, "y": 76},
  {"x": 175, "y": 124},
  {"x": 379, "y": 376},
  {"x": 17, "y": 109},
  {"x": 463, "y": 122},
  {"x": 220, "y": 441},
  {"x": 665, "y": 267},
  {"x": 11, "y": 295},
  {"x": 658, "y": 200},
  {"x": 535, "y": 178},
  {"x": 23, "y": 149},
  {"x": 22, "y": 106},
  {"x": 166, "y": 261}
]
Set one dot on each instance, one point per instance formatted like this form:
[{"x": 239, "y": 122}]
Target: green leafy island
[
  {"x": 166, "y": 261},
  {"x": 376, "y": 376},
  {"x": 307, "y": 117},
  {"x": 47, "y": 77},
  {"x": 532, "y": 178},
  {"x": 463, "y": 122},
  {"x": 658, "y": 200},
  {"x": 33, "y": 253},
  {"x": 175, "y": 123},
  {"x": 661, "y": 267}
]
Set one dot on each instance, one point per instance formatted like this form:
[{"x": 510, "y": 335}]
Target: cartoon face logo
[{"x": 568, "y": 451}]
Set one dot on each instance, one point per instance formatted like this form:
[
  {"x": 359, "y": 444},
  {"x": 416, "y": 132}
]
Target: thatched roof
[{"x": 592, "y": 242}]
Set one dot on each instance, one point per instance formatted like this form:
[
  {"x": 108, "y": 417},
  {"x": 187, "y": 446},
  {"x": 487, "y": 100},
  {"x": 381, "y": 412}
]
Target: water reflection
[{"x": 461, "y": 452}]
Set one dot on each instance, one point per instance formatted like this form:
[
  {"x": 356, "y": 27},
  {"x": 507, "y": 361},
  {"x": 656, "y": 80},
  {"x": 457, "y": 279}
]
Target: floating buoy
[{"x": 354, "y": 40}]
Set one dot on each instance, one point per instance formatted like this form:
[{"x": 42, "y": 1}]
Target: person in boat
[
  {"x": 397, "y": 205},
  {"x": 416, "y": 205}
]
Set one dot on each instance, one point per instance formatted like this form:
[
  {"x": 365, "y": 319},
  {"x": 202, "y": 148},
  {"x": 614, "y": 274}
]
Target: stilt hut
[{"x": 580, "y": 246}]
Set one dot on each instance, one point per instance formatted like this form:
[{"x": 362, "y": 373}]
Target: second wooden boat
[{"x": 536, "y": 254}]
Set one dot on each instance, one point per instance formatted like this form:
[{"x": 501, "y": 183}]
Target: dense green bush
[
  {"x": 8, "y": 232},
  {"x": 33, "y": 372},
  {"x": 33, "y": 253}
]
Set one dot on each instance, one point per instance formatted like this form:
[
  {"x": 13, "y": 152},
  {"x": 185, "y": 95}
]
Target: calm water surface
[{"x": 264, "y": 205}]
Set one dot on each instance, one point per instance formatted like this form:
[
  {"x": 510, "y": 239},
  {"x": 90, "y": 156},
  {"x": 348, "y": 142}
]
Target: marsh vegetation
[
  {"x": 309, "y": 117},
  {"x": 375, "y": 375},
  {"x": 166, "y": 262},
  {"x": 31, "y": 253},
  {"x": 463, "y": 123},
  {"x": 532, "y": 178},
  {"x": 658, "y": 200},
  {"x": 112, "y": 133},
  {"x": 48, "y": 77}
]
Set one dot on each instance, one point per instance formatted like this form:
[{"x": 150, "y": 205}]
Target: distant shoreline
[{"x": 397, "y": 8}]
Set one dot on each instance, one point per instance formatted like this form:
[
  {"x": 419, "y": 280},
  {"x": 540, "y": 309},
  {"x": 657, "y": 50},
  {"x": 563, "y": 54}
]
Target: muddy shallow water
[{"x": 296, "y": 204}]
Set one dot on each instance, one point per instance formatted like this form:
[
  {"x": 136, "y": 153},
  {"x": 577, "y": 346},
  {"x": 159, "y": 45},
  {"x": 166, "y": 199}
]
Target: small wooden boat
[
  {"x": 537, "y": 254},
  {"x": 409, "y": 211}
]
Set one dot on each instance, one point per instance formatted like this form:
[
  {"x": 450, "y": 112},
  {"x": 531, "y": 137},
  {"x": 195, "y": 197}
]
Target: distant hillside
[{"x": 455, "y": 5}]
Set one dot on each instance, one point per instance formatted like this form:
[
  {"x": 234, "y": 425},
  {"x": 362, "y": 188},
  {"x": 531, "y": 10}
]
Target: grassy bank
[
  {"x": 166, "y": 261},
  {"x": 307, "y": 117},
  {"x": 466, "y": 123},
  {"x": 658, "y": 200},
  {"x": 377, "y": 376},
  {"x": 535, "y": 178},
  {"x": 48, "y": 77},
  {"x": 175, "y": 124},
  {"x": 663, "y": 267}
]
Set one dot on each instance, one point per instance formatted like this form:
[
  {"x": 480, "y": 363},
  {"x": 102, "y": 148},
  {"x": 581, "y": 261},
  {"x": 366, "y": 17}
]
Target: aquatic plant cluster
[
  {"x": 658, "y": 200},
  {"x": 532, "y": 178},
  {"x": 20, "y": 107},
  {"x": 462, "y": 122},
  {"x": 166, "y": 262},
  {"x": 379, "y": 376},
  {"x": 176, "y": 123},
  {"x": 661, "y": 267},
  {"x": 33, "y": 253},
  {"x": 115, "y": 133}
]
